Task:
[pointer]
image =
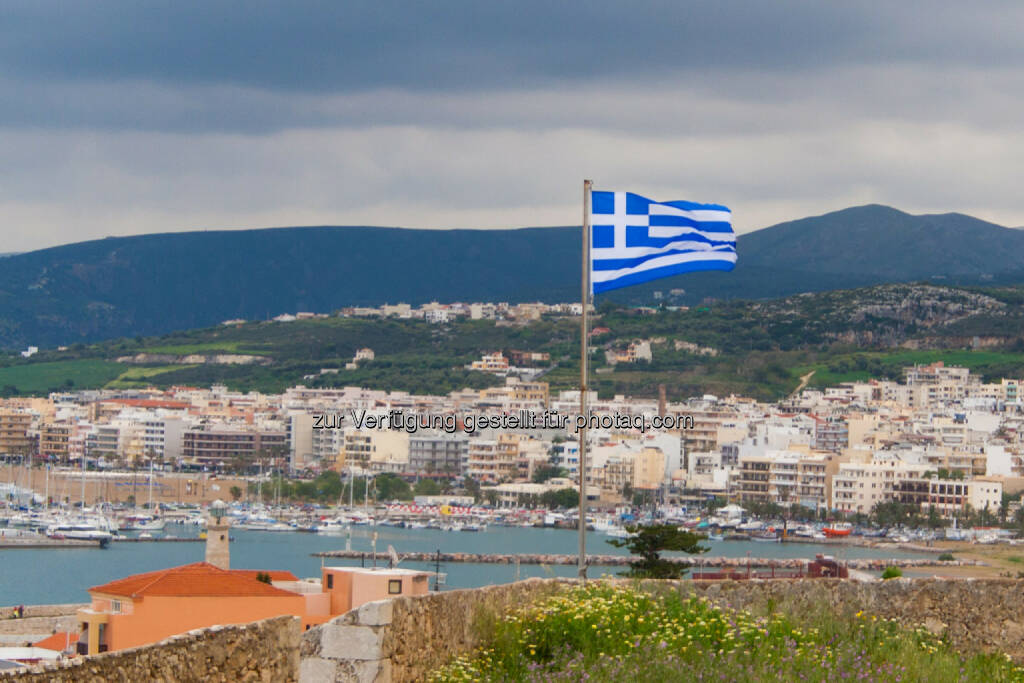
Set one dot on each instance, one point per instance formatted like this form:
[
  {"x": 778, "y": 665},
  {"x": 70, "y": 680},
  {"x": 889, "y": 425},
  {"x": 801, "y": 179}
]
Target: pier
[
  {"x": 624, "y": 560},
  {"x": 157, "y": 539}
]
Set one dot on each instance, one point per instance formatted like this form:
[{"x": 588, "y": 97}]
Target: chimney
[
  {"x": 218, "y": 552},
  {"x": 661, "y": 400}
]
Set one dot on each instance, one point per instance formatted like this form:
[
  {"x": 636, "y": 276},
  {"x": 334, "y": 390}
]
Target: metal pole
[{"x": 585, "y": 299}]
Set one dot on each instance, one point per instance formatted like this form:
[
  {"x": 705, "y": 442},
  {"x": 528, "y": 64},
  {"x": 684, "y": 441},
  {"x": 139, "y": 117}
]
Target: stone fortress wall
[
  {"x": 402, "y": 639},
  {"x": 264, "y": 651}
]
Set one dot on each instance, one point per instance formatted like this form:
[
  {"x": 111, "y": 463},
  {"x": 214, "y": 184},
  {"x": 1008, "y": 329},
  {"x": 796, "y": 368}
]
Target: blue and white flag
[{"x": 635, "y": 239}]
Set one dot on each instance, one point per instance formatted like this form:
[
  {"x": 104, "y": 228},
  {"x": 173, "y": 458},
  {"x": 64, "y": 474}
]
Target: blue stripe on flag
[{"x": 619, "y": 263}]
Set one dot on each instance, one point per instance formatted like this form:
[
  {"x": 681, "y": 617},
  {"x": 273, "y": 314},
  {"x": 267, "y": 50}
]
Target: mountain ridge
[{"x": 153, "y": 284}]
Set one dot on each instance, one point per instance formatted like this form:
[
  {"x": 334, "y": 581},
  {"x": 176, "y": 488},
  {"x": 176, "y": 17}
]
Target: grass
[
  {"x": 207, "y": 347},
  {"x": 142, "y": 376},
  {"x": 604, "y": 632},
  {"x": 40, "y": 378},
  {"x": 979, "y": 361}
]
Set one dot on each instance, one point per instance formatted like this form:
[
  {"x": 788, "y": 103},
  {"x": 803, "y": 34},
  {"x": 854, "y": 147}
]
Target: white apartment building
[{"x": 859, "y": 486}]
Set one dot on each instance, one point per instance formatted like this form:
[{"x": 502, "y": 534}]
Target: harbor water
[{"x": 48, "y": 575}]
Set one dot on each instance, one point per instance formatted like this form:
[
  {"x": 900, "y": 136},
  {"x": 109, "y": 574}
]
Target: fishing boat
[
  {"x": 765, "y": 537},
  {"x": 716, "y": 537}
]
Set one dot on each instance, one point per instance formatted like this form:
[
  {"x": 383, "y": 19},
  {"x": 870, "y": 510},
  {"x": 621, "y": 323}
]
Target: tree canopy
[{"x": 648, "y": 542}]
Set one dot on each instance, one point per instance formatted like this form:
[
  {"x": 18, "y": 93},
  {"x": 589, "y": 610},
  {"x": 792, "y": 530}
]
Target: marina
[{"x": 49, "y": 575}]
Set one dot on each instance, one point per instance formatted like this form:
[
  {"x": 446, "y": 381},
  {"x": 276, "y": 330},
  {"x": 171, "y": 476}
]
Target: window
[
  {"x": 115, "y": 606},
  {"x": 330, "y": 581},
  {"x": 395, "y": 587}
]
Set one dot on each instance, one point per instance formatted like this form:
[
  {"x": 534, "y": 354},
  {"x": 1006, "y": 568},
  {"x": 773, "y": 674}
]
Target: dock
[{"x": 155, "y": 539}]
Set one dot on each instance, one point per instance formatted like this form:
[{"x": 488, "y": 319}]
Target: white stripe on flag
[{"x": 674, "y": 259}]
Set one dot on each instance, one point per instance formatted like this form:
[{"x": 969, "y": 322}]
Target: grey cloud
[
  {"x": 318, "y": 46},
  {"x": 740, "y": 100}
]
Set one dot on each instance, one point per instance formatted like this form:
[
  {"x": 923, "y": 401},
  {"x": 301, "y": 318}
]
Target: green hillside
[{"x": 754, "y": 348}]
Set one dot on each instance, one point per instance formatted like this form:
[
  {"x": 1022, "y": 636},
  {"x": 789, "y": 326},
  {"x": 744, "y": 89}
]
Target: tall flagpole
[{"x": 585, "y": 298}]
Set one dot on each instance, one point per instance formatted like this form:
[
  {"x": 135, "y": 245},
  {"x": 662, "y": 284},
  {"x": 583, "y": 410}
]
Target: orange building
[
  {"x": 350, "y": 587},
  {"x": 146, "y": 608}
]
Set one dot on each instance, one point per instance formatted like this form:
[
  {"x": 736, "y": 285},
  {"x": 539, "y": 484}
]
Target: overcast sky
[{"x": 132, "y": 117}]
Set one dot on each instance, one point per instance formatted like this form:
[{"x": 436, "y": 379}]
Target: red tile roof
[
  {"x": 59, "y": 641},
  {"x": 198, "y": 579},
  {"x": 148, "y": 403},
  {"x": 274, "y": 574}
]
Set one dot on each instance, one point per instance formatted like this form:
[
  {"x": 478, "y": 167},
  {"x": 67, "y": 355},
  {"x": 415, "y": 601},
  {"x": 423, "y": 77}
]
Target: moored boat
[{"x": 838, "y": 530}]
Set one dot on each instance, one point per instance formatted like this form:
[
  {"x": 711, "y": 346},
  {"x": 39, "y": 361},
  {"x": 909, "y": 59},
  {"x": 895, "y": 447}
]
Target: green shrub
[
  {"x": 946, "y": 557},
  {"x": 892, "y": 573}
]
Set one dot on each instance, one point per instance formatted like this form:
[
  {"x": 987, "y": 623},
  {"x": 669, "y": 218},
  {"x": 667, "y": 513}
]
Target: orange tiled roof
[
  {"x": 198, "y": 579},
  {"x": 148, "y": 403},
  {"x": 274, "y": 574},
  {"x": 58, "y": 641}
]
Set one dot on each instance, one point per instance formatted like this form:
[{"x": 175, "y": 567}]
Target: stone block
[
  {"x": 316, "y": 670},
  {"x": 350, "y": 642},
  {"x": 377, "y": 613}
]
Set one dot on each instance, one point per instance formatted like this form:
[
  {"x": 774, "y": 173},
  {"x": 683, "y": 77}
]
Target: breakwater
[
  {"x": 624, "y": 560},
  {"x": 45, "y": 542}
]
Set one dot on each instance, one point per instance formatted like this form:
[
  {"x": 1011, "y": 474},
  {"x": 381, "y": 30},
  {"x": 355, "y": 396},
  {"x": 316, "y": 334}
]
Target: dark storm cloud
[{"x": 351, "y": 46}]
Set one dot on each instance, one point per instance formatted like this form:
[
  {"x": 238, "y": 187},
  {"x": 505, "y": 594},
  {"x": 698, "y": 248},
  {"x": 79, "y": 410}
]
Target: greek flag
[{"x": 635, "y": 239}]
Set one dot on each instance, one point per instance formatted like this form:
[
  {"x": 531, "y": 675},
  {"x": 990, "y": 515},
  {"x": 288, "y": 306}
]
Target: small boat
[
  {"x": 838, "y": 530},
  {"x": 618, "y": 532},
  {"x": 765, "y": 538},
  {"x": 332, "y": 527},
  {"x": 716, "y": 537}
]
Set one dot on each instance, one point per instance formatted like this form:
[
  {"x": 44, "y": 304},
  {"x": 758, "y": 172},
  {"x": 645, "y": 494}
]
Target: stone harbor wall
[
  {"x": 402, "y": 639},
  {"x": 44, "y": 610},
  {"x": 265, "y": 651}
]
